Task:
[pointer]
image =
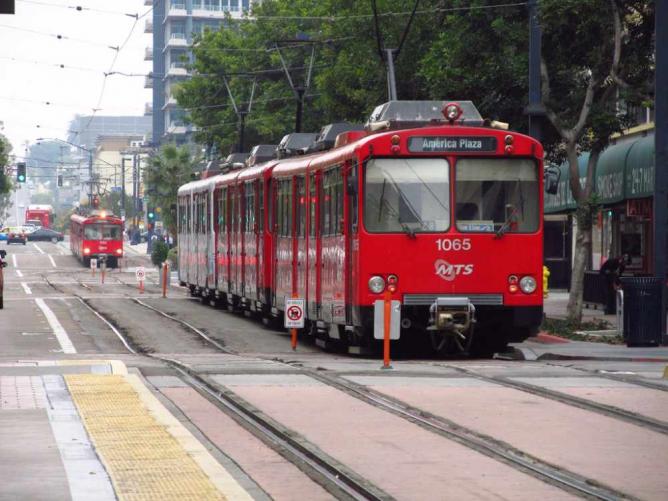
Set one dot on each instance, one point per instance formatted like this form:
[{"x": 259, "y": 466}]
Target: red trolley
[
  {"x": 429, "y": 203},
  {"x": 98, "y": 235}
]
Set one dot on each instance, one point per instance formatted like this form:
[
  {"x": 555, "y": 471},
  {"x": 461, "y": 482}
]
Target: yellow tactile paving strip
[{"x": 146, "y": 451}]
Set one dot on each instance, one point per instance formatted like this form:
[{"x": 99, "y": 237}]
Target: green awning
[
  {"x": 640, "y": 169},
  {"x": 625, "y": 170}
]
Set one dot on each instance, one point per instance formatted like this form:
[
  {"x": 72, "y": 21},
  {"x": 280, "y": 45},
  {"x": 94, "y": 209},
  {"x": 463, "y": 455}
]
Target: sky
[{"x": 30, "y": 55}]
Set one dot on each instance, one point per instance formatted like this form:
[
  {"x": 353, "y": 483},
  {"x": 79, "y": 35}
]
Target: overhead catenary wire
[{"x": 77, "y": 8}]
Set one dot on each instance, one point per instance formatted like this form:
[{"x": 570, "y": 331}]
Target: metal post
[
  {"x": 660, "y": 220},
  {"x": 242, "y": 131},
  {"x": 300, "y": 108},
  {"x": 90, "y": 178},
  {"x": 123, "y": 187},
  {"x": 535, "y": 107},
  {"x": 134, "y": 189},
  {"x": 391, "y": 79}
]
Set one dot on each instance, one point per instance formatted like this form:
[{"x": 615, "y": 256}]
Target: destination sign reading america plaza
[{"x": 429, "y": 144}]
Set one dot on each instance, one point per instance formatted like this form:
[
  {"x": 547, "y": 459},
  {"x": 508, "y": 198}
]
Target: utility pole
[
  {"x": 535, "y": 109},
  {"x": 123, "y": 188},
  {"x": 134, "y": 189},
  {"x": 90, "y": 178},
  {"x": 660, "y": 221}
]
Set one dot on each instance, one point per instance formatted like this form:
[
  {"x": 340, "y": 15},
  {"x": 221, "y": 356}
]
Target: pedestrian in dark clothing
[{"x": 612, "y": 269}]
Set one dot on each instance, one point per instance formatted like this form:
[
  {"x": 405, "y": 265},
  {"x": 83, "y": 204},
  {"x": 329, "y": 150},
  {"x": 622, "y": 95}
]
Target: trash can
[{"x": 642, "y": 310}]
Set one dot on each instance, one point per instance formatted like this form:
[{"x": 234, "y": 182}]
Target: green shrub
[
  {"x": 173, "y": 258},
  {"x": 159, "y": 252}
]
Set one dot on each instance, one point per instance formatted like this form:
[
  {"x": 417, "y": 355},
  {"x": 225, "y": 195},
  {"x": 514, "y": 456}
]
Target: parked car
[
  {"x": 3, "y": 234},
  {"x": 33, "y": 222},
  {"x": 3, "y": 263},
  {"x": 17, "y": 235},
  {"x": 45, "y": 235}
]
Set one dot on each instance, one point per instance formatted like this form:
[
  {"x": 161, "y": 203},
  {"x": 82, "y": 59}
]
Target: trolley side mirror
[{"x": 551, "y": 176}]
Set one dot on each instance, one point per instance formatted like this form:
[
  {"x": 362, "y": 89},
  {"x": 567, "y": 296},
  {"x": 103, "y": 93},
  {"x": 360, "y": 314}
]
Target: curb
[{"x": 545, "y": 338}]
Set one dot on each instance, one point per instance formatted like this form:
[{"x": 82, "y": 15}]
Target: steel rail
[
  {"x": 490, "y": 447},
  {"x": 332, "y": 476},
  {"x": 340, "y": 479},
  {"x": 616, "y": 376},
  {"x": 481, "y": 443},
  {"x": 589, "y": 405}
]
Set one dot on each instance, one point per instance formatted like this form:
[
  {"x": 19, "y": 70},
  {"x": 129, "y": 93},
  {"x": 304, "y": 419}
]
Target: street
[{"x": 106, "y": 392}]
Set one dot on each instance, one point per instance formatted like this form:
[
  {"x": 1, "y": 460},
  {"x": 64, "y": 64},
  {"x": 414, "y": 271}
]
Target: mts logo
[{"x": 449, "y": 271}]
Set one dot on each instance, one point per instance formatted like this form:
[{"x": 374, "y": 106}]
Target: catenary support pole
[
  {"x": 661, "y": 161},
  {"x": 535, "y": 107}
]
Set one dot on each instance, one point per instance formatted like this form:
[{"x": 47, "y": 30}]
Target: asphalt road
[{"x": 427, "y": 429}]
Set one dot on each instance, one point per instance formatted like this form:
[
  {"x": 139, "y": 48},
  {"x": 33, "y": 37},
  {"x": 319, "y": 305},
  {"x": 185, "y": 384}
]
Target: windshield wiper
[
  {"x": 407, "y": 229},
  {"x": 506, "y": 224}
]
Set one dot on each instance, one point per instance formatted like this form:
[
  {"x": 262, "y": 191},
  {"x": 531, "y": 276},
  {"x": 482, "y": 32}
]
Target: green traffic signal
[{"x": 21, "y": 172}]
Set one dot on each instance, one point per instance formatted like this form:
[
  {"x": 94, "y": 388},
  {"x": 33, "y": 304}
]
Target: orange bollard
[
  {"x": 165, "y": 273},
  {"x": 293, "y": 340},
  {"x": 141, "y": 287},
  {"x": 387, "y": 315}
]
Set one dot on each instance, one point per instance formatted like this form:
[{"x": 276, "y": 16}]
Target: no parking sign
[{"x": 294, "y": 313}]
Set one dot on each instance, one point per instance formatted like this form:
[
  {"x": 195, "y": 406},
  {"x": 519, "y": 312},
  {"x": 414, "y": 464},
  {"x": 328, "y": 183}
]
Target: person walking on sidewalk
[{"x": 612, "y": 269}]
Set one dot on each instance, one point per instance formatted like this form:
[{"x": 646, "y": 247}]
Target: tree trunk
[{"x": 580, "y": 258}]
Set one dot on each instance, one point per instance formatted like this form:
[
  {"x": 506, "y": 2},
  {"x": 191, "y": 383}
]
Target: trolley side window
[
  {"x": 300, "y": 220},
  {"x": 332, "y": 202},
  {"x": 497, "y": 194},
  {"x": 410, "y": 195}
]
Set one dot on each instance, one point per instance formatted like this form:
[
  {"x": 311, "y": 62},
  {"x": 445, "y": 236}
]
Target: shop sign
[
  {"x": 610, "y": 186},
  {"x": 640, "y": 182},
  {"x": 640, "y": 207}
]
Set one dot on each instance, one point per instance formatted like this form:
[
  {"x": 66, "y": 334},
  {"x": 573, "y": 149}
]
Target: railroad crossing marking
[
  {"x": 294, "y": 313},
  {"x": 26, "y": 288},
  {"x": 53, "y": 263},
  {"x": 14, "y": 261},
  {"x": 38, "y": 248}
]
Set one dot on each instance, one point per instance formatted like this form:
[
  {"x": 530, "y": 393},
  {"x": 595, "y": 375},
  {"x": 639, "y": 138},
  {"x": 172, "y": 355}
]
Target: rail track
[
  {"x": 589, "y": 405},
  {"x": 341, "y": 481},
  {"x": 567, "y": 480}
]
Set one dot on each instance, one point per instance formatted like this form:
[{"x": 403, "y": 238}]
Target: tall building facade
[{"x": 174, "y": 25}]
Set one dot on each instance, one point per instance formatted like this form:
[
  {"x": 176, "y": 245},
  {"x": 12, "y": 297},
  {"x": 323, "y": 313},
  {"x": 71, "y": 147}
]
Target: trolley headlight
[
  {"x": 528, "y": 284},
  {"x": 86, "y": 250},
  {"x": 376, "y": 284}
]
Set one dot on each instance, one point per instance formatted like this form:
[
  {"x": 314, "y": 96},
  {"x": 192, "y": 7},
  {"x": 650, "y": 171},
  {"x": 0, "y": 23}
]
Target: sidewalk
[
  {"x": 556, "y": 306},
  {"x": 88, "y": 429},
  {"x": 138, "y": 250}
]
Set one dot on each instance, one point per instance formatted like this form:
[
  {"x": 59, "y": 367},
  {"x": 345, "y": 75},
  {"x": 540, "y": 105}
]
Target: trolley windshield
[
  {"x": 496, "y": 195},
  {"x": 408, "y": 195},
  {"x": 102, "y": 232}
]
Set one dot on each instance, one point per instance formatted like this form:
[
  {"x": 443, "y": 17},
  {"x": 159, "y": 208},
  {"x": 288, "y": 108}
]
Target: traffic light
[
  {"x": 60, "y": 180},
  {"x": 21, "y": 172},
  {"x": 150, "y": 213}
]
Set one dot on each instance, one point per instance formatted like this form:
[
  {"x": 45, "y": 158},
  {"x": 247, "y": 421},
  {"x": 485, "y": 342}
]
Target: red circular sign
[{"x": 294, "y": 313}]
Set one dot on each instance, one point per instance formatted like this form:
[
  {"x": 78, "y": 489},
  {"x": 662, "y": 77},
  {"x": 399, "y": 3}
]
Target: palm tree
[{"x": 171, "y": 167}]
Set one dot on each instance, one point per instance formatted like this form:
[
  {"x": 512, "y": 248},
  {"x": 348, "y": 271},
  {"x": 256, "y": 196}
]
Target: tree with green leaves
[
  {"x": 167, "y": 170},
  {"x": 6, "y": 184},
  {"x": 348, "y": 76},
  {"x": 597, "y": 54}
]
